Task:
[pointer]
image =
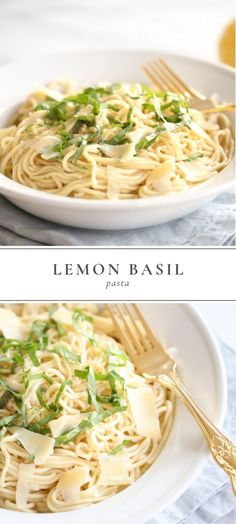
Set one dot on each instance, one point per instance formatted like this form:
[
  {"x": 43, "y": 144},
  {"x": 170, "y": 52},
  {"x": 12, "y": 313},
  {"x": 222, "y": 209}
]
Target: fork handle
[
  {"x": 219, "y": 108},
  {"x": 221, "y": 448}
]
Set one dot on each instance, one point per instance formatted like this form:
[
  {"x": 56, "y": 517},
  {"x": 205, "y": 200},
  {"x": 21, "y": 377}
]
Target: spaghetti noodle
[
  {"x": 112, "y": 141},
  {"x": 77, "y": 423}
]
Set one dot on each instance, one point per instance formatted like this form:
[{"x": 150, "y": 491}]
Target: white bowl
[
  {"x": 18, "y": 80},
  {"x": 181, "y": 460}
]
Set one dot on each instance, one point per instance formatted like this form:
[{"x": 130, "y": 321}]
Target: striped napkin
[{"x": 210, "y": 498}]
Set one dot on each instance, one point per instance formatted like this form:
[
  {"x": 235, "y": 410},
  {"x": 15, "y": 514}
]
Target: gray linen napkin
[
  {"x": 210, "y": 497},
  {"x": 213, "y": 225}
]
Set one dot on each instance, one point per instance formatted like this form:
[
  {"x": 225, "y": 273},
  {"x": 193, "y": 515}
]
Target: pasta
[
  {"x": 112, "y": 141},
  {"x": 77, "y": 423}
]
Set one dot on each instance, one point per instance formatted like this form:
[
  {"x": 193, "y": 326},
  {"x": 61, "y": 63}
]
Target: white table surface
[
  {"x": 221, "y": 317},
  {"x": 190, "y": 27}
]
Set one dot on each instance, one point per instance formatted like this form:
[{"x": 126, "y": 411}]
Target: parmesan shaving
[
  {"x": 114, "y": 470},
  {"x": 70, "y": 483},
  {"x": 63, "y": 424},
  {"x": 123, "y": 152},
  {"x": 39, "y": 446},
  {"x": 24, "y": 483},
  {"x": 63, "y": 315},
  {"x": 144, "y": 411},
  {"x": 10, "y": 324}
]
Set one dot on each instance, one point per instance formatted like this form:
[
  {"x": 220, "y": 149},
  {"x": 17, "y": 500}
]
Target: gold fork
[
  {"x": 165, "y": 79},
  {"x": 149, "y": 356}
]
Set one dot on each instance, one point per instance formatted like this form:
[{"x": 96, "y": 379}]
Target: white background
[
  {"x": 188, "y": 27},
  {"x": 27, "y": 274}
]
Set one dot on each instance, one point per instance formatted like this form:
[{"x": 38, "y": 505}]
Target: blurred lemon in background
[{"x": 227, "y": 45}]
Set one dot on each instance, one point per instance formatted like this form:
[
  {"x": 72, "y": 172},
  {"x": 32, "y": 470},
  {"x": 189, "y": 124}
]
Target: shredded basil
[
  {"x": 83, "y": 373},
  {"x": 43, "y": 106},
  {"x": 113, "y": 107},
  {"x": 4, "y": 398},
  {"x": 120, "y": 447},
  {"x": 40, "y": 328},
  {"x": 40, "y": 395},
  {"x": 60, "y": 392},
  {"x": 89, "y": 119},
  {"x": 92, "y": 395},
  {"x": 146, "y": 142},
  {"x": 116, "y": 357},
  {"x": 113, "y": 379},
  {"x": 56, "y": 112},
  {"x": 7, "y": 387},
  {"x": 22, "y": 410},
  {"x": 120, "y": 138},
  {"x": 116, "y": 383},
  {"x": 45, "y": 377},
  {"x": 40, "y": 426},
  {"x": 92, "y": 420},
  {"x": 193, "y": 157},
  {"x": 78, "y": 152},
  {"x": 7, "y": 421},
  {"x": 62, "y": 351},
  {"x": 78, "y": 316}
]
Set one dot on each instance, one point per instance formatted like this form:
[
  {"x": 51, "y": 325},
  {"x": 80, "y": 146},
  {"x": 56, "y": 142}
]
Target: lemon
[{"x": 227, "y": 45}]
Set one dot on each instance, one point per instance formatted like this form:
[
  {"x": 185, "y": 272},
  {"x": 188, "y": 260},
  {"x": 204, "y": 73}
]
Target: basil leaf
[
  {"x": 114, "y": 107},
  {"x": 145, "y": 142},
  {"x": 22, "y": 410},
  {"x": 6, "y": 386},
  {"x": 116, "y": 357},
  {"x": 43, "y": 106},
  {"x": 113, "y": 378},
  {"x": 129, "y": 114},
  {"x": 56, "y": 112},
  {"x": 7, "y": 421},
  {"x": 119, "y": 138},
  {"x": 41, "y": 398},
  {"x": 40, "y": 328},
  {"x": 79, "y": 314},
  {"x": 114, "y": 121},
  {"x": 78, "y": 152},
  {"x": 60, "y": 392},
  {"x": 66, "y": 353},
  {"x": 88, "y": 119},
  {"x": 92, "y": 395},
  {"x": 88, "y": 423},
  {"x": 4, "y": 358},
  {"x": 31, "y": 349},
  {"x": 157, "y": 108},
  {"x": 45, "y": 377},
  {"x": 4, "y": 398},
  {"x": 83, "y": 373},
  {"x": 149, "y": 107},
  {"x": 193, "y": 157},
  {"x": 40, "y": 426},
  {"x": 120, "y": 447}
]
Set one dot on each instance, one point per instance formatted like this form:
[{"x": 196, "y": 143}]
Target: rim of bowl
[
  {"x": 9, "y": 186},
  {"x": 179, "y": 198},
  {"x": 221, "y": 380}
]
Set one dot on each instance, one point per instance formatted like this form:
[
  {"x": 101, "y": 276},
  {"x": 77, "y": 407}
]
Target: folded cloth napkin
[
  {"x": 210, "y": 497},
  {"x": 213, "y": 225}
]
